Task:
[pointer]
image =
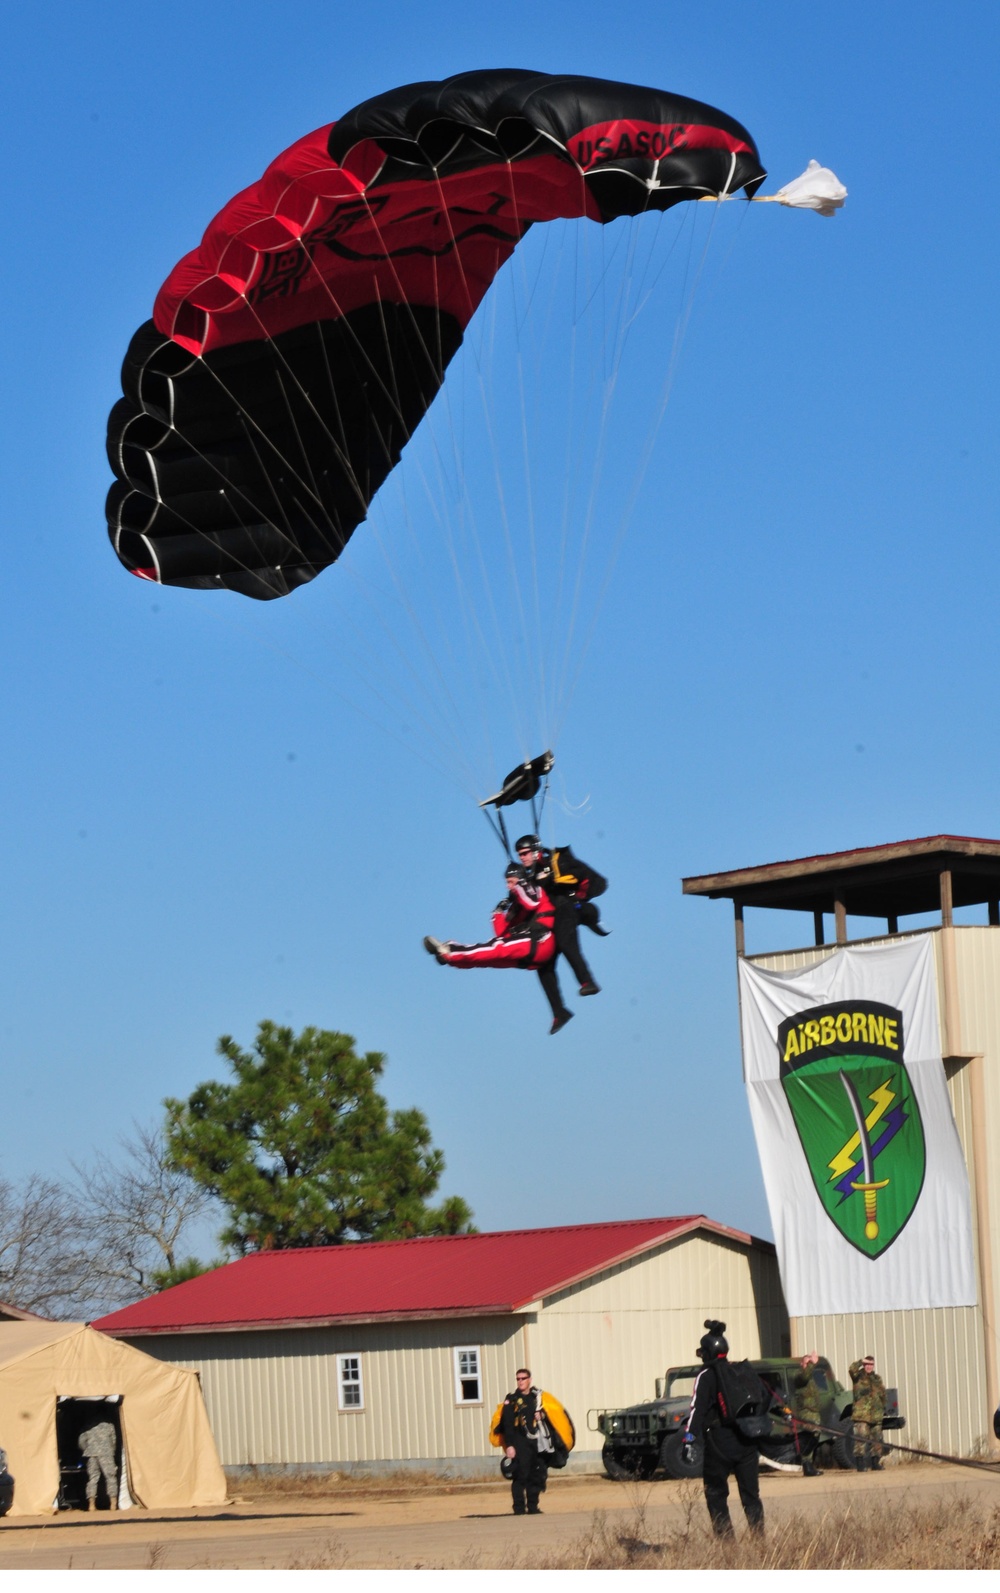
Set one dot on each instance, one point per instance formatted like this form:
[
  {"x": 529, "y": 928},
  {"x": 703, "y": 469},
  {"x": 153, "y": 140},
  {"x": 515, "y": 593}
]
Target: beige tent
[{"x": 169, "y": 1452}]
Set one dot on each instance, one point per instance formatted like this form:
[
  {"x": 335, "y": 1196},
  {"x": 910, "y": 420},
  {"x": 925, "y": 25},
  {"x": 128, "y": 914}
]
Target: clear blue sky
[{"x": 796, "y": 654}]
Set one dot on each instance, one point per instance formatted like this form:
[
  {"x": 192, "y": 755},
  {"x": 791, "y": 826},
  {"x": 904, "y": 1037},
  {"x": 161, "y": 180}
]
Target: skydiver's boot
[
  {"x": 436, "y": 948},
  {"x": 809, "y": 1470},
  {"x": 589, "y": 988},
  {"x": 560, "y": 1020}
]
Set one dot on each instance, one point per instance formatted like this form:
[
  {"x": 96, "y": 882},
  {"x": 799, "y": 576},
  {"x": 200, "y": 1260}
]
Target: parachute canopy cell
[{"x": 293, "y": 353}]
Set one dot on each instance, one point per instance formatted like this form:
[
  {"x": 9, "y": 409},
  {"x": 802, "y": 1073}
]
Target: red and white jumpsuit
[{"x": 524, "y": 936}]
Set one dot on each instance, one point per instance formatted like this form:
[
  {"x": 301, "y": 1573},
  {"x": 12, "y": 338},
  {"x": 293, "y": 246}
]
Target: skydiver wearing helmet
[
  {"x": 727, "y": 1450},
  {"x": 570, "y": 885},
  {"x": 523, "y": 938}
]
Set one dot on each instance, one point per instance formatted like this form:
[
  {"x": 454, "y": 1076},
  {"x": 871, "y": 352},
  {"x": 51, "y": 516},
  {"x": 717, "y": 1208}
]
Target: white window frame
[
  {"x": 346, "y": 1361},
  {"x": 456, "y": 1360}
]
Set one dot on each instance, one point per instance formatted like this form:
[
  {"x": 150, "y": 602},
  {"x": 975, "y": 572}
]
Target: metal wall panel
[
  {"x": 936, "y": 1358},
  {"x": 978, "y": 959},
  {"x": 272, "y": 1396},
  {"x": 933, "y": 1357}
]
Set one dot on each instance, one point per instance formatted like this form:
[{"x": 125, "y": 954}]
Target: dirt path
[{"x": 467, "y": 1527}]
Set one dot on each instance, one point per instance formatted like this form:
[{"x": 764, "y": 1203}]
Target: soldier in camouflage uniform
[
  {"x": 808, "y": 1401},
  {"x": 869, "y": 1408},
  {"x": 97, "y": 1445}
]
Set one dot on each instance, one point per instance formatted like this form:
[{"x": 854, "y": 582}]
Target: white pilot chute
[{"x": 817, "y": 189}]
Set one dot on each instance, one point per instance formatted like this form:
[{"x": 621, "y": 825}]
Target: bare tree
[
  {"x": 44, "y": 1253},
  {"x": 135, "y": 1212}
]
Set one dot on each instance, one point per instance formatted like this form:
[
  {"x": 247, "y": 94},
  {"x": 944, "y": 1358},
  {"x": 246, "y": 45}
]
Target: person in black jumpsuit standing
[
  {"x": 517, "y": 1427},
  {"x": 727, "y": 1452}
]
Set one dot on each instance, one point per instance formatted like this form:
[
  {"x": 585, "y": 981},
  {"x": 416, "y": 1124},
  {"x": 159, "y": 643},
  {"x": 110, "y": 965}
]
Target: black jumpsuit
[
  {"x": 517, "y": 1425},
  {"x": 566, "y": 919},
  {"x": 727, "y": 1454}
]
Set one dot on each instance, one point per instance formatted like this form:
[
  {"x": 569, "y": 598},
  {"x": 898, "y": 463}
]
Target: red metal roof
[{"x": 486, "y": 1274}]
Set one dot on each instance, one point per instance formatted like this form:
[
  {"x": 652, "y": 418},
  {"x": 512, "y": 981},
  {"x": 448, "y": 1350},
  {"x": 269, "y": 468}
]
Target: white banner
[{"x": 864, "y": 1172}]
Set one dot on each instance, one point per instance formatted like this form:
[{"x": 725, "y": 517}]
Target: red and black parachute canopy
[{"x": 293, "y": 353}]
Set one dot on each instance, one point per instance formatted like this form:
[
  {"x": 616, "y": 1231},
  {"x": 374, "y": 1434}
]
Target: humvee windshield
[{"x": 680, "y": 1385}]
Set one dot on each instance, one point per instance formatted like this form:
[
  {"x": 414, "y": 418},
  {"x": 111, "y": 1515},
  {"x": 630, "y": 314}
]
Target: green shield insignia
[{"x": 843, "y": 1074}]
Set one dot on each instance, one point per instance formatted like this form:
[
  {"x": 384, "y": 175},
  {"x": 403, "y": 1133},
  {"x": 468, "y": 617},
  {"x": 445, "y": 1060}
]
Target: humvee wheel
[
  {"x": 672, "y": 1457},
  {"x": 625, "y": 1466},
  {"x": 843, "y": 1449}
]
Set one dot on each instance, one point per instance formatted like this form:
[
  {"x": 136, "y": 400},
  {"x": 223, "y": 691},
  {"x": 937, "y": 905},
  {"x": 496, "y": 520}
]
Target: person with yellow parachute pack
[{"x": 535, "y": 1432}]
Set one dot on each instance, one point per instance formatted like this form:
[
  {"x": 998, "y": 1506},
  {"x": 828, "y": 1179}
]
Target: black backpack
[
  {"x": 744, "y": 1399},
  {"x": 568, "y": 871}
]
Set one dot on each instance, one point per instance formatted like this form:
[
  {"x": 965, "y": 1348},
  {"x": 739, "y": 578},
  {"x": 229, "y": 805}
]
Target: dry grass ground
[
  {"x": 954, "y": 1534},
  {"x": 923, "y": 1517},
  {"x": 259, "y": 1486}
]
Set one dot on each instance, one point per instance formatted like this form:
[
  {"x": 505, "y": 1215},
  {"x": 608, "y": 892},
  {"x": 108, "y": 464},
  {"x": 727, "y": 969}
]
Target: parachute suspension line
[
  {"x": 563, "y": 576},
  {"x": 500, "y": 650},
  {"x": 572, "y": 468},
  {"x": 339, "y": 452},
  {"x": 469, "y": 619},
  {"x": 666, "y": 392},
  {"x": 532, "y": 697},
  {"x": 439, "y": 507},
  {"x": 444, "y": 630},
  {"x": 336, "y": 546},
  {"x": 419, "y": 630},
  {"x": 289, "y": 657},
  {"x": 526, "y": 672},
  {"x": 612, "y": 347},
  {"x": 262, "y": 513},
  {"x": 543, "y": 725},
  {"x": 503, "y": 835},
  {"x": 329, "y": 535},
  {"x": 323, "y": 680},
  {"x": 435, "y": 367}
]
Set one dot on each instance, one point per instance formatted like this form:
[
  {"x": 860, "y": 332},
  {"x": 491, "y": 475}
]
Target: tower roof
[{"x": 869, "y": 881}]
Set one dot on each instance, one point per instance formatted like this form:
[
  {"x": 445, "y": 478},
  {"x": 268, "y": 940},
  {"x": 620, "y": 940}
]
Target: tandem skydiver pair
[{"x": 549, "y": 896}]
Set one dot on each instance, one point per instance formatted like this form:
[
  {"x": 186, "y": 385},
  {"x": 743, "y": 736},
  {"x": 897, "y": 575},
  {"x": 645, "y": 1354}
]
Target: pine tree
[{"x": 302, "y": 1149}]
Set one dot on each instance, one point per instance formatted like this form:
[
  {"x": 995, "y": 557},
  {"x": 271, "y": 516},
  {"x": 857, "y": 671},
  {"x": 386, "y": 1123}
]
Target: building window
[
  {"x": 468, "y": 1385},
  {"x": 350, "y": 1388}
]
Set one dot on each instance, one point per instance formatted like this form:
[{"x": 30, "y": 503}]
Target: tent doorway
[{"x": 74, "y": 1417}]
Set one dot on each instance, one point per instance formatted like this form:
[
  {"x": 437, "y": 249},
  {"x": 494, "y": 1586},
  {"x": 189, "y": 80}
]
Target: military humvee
[{"x": 645, "y": 1439}]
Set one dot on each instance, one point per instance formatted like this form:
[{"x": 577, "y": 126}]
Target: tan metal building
[
  {"x": 397, "y": 1353},
  {"x": 944, "y": 1361}
]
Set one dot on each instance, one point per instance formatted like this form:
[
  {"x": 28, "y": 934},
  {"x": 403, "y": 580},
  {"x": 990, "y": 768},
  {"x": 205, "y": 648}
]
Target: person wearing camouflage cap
[{"x": 867, "y": 1413}]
